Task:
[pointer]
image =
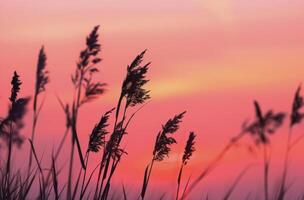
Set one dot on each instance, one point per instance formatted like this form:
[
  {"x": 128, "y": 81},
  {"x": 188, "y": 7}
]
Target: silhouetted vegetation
[{"x": 106, "y": 139}]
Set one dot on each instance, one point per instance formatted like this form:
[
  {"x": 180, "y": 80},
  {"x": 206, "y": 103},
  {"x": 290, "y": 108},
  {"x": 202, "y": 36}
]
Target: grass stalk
[
  {"x": 69, "y": 187},
  {"x": 266, "y": 172},
  {"x": 179, "y": 181}
]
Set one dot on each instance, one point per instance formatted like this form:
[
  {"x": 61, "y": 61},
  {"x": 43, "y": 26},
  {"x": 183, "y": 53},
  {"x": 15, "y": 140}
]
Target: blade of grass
[{"x": 236, "y": 181}]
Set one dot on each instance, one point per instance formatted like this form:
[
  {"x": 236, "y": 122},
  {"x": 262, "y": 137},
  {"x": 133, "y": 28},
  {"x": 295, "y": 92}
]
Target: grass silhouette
[{"x": 106, "y": 138}]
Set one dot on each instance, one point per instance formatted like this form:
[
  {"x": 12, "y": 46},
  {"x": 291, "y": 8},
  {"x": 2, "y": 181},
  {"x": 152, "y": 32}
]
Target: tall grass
[
  {"x": 42, "y": 79},
  {"x": 85, "y": 90},
  {"x": 296, "y": 117},
  {"x": 43, "y": 180},
  {"x": 189, "y": 149},
  {"x": 132, "y": 94},
  {"x": 9, "y": 128},
  {"x": 260, "y": 129},
  {"x": 162, "y": 148}
]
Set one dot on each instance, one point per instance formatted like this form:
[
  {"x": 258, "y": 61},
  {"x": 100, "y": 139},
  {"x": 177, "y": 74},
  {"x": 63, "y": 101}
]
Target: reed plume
[
  {"x": 162, "y": 147},
  {"x": 132, "y": 86},
  {"x": 42, "y": 79},
  {"x": 189, "y": 149},
  {"x": 86, "y": 90},
  {"x": 16, "y": 113},
  {"x": 296, "y": 114},
  {"x": 164, "y": 140},
  {"x": 13, "y": 122},
  {"x": 132, "y": 94},
  {"x": 263, "y": 126},
  {"x": 96, "y": 141},
  {"x": 113, "y": 147},
  {"x": 86, "y": 68},
  {"x": 98, "y": 135},
  {"x": 132, "y": 89},
  {"x": 15, "y": 87}
]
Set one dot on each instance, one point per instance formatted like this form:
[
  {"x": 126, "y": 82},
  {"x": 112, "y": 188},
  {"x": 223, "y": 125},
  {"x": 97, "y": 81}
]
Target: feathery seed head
[
  {"x": 264, "y": 124},
  {"x": 163, "y": 140},
  {"x": 86, "y": 68},
  {"x": 297, "y": 116},
  {"x": 15, "y": 114},
  {"x": 112, "y": 146},
  {"x": 189, "y": 149},
  {"x": 15, "y": 87},
  {"x": 42, "y": 77},
  {"x": 132, "y": 87},
  {"x": 97, "y": 137}
]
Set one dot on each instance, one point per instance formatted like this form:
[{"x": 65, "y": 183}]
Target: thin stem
[
  {"x": 84, "y": 175},
  {"x": 179, "y": 180},
  {"x": 185, "y": 188},
  {"x": 105, "y": 172},
  {"x": 148, "y": 178},
  {"x": 295, "y": 142},
  {"x": 288, "y": 148},
  {"x": 35, "y": 117},
  {"x": 214, "y": 163},
  {"x": 99, "y": 173},
  {"x": 57, "y": 154},
  {"x": 107, "y": 188},
  {"x": 118, "y": 110},
  {"x": 236, "y": 181},
  {"x": 89, "y": 180},
  {"x": 78, "y": 95},
  {"x": 115, "y": 162},
  {"x": 266, "y": 168},
  {"x": 8, "y": 166},
  {"x": 108, "y": 154},
  {"x": 69, "y": 189},
  {"x": 286, "y": 160},
  {"x": 75, "y": 117}
]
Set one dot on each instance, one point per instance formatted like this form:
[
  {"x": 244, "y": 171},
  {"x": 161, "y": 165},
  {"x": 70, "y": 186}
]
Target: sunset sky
[{"x": 211, "y": 58}]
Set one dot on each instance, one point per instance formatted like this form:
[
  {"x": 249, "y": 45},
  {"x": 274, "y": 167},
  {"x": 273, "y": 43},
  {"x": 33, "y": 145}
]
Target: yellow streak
[{"x": 244, "y": 72}]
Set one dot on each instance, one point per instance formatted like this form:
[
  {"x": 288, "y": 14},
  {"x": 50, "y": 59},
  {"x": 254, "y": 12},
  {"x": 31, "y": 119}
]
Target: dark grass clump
[
  {"x": 133, "y": 93},
  {"x": 45, "y": 181}
]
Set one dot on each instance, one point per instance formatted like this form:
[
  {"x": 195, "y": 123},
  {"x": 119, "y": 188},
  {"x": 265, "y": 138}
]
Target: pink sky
[{"x": 209, "y": 58}]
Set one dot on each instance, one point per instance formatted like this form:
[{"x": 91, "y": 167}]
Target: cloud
[{"x": 262, "y": 70}]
